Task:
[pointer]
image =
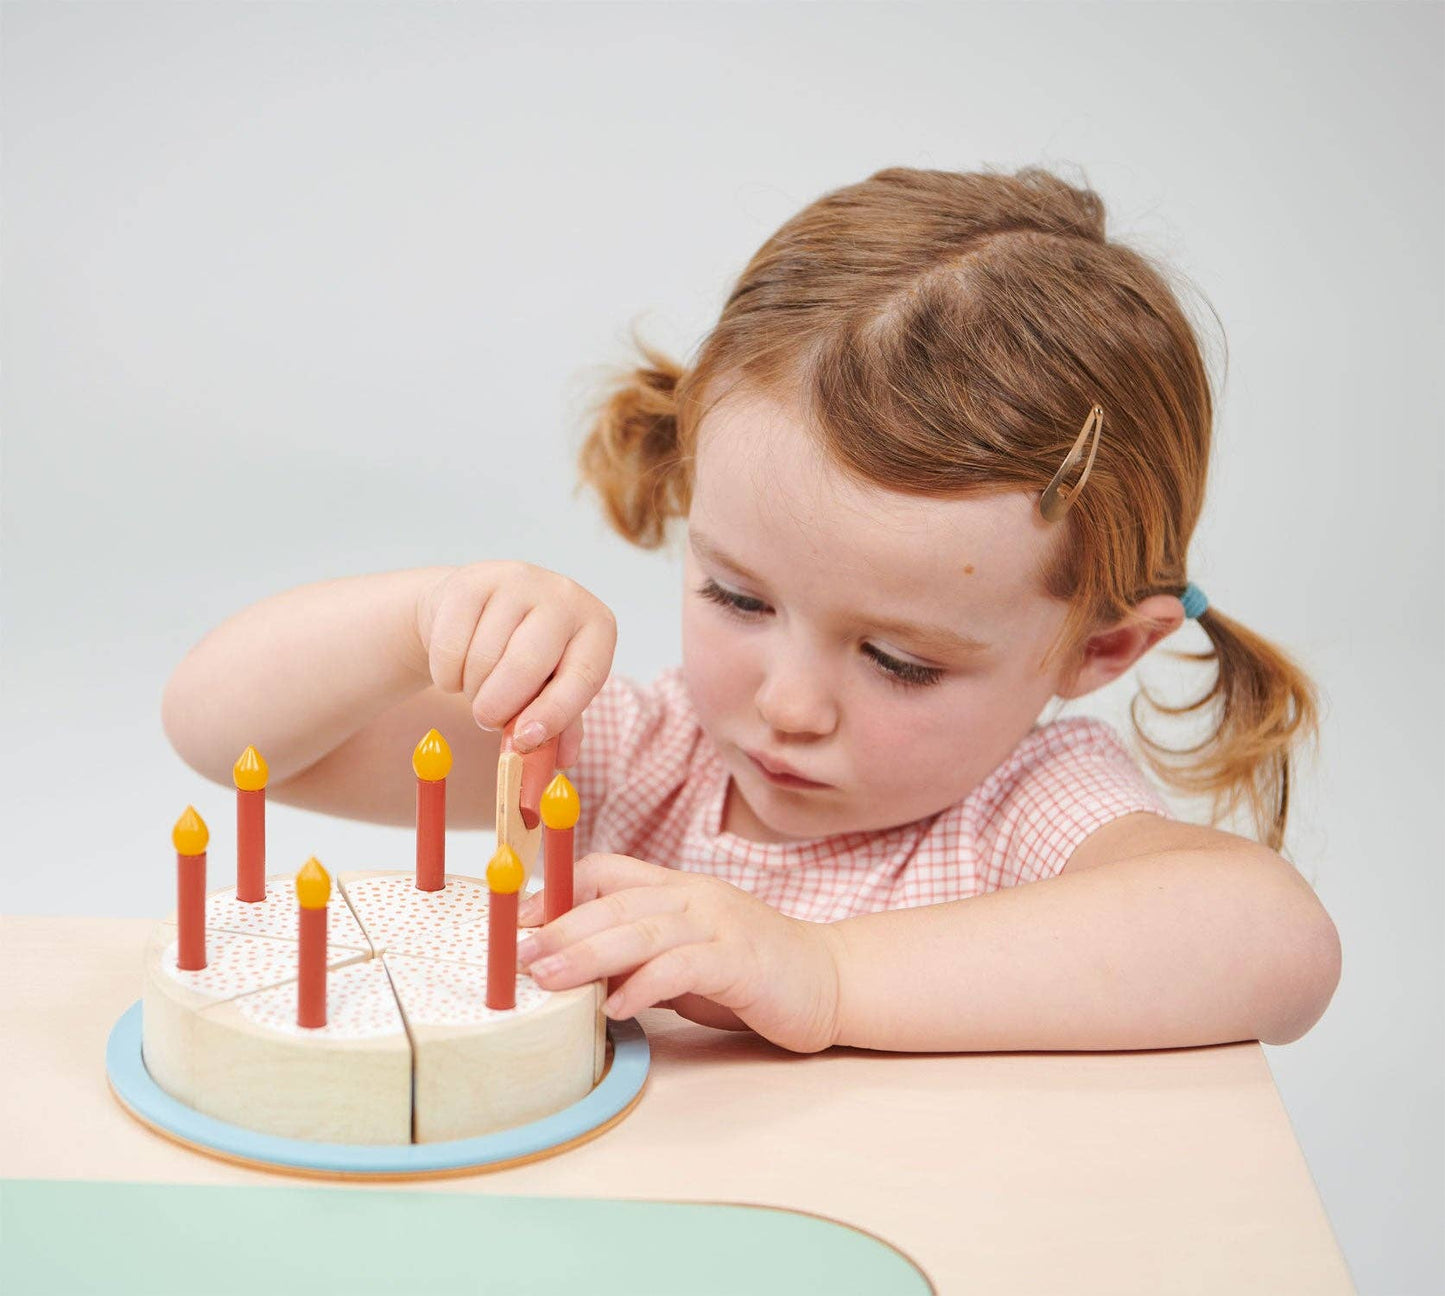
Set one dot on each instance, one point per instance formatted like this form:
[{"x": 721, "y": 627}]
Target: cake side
[
  {"x": 479, "y": 1069},
  {"x": 348, "y": 1081},
  {"x": 236, "y": 964}
]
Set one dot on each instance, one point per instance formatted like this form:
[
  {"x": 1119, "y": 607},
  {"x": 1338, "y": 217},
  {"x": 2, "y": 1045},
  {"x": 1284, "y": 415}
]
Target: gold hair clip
[{"x": 1058, "y": 500}]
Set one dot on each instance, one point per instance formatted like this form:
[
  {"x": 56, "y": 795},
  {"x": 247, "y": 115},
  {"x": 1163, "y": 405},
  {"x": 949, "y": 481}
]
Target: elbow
[{"x": 1307, "y": 975}]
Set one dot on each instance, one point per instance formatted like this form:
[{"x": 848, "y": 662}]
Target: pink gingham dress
[{"x": 652, "y": 786}]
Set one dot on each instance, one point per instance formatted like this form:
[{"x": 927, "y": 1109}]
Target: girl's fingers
[
  {"x": 569, "y": 748},
  {"x": 616, "y": 949},
  {"x": 673, "y": 974},
  {"x": 698, "y": 1008},
  {"x": 590, "y": 918},
  {"x": 531, "y": 654},
  {"x": 451, "y": 633},
  {"x": 577, "y": 679},
  {"x": 490, "y": 636},
  {"x": 600, "y": 874}
]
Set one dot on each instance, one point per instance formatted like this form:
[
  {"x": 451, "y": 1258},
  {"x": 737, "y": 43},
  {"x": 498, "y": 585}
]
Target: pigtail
[
  {"x": 631, "y": 455},
  {"x": 1263, "y": 706}
]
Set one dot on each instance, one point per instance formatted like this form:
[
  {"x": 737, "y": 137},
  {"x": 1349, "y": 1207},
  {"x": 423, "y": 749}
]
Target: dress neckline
[{"x": 730, "y": 843}]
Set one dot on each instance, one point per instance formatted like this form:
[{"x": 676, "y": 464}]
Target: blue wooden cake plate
[{"x": 616, "y": 1095}]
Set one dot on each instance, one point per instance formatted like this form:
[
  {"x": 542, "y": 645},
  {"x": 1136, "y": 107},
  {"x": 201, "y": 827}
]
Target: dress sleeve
[{"x": 1062, "y": 783}]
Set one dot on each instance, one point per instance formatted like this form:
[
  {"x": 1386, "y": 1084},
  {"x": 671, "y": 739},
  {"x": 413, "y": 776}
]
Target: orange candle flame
[
  {"x": 190, "y": 835},
  {"x": 250, "y": 771},
  {"x": 505, "y": 873},
  {"x": 432, "y": 759},
  {"x": 560, "y": 804},
  {"x": 313, "y": 885}
]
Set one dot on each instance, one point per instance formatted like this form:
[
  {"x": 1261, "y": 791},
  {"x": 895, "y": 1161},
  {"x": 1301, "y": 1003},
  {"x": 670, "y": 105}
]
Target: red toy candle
[
  {"x": 250, "y": 776},
  {"x": 432, "y": 761},
  {"x": 505, "y": 876},
  {"x": 190, "y": 837},
  {"x": 560, "y": 809},
  {"x": 313, "y": 891}
]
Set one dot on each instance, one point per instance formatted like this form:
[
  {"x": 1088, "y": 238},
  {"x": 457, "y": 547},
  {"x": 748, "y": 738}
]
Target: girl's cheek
[
  {"x": 921, "y": 733},
  {"x": 715, "y": 667},
  {"x": 898, "y": 743}
]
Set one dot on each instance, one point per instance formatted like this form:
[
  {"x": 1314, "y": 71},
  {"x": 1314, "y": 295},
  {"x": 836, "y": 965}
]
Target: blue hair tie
[{"x": 1194, "y": 601}]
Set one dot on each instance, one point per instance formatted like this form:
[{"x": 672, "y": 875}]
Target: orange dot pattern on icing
[
  {"x": 276, "y": 915},
  {"x": 446, "y": 924},
  {"x": 359, "y": 1005},
  {"x": 235, "y": 964},
  {"x": 438, "y": 993}
]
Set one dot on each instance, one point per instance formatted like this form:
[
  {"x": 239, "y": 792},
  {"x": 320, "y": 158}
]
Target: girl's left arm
[{"x": 1157, "y": 934}]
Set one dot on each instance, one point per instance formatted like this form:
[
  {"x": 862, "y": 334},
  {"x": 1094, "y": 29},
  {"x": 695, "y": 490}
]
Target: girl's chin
[
  {"x": 768, "y": 813},
  {"x": 742, "y": 820}
]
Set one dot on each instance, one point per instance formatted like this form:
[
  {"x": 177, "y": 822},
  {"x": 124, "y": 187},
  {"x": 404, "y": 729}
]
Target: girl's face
[{"x": 886, "y": 646}]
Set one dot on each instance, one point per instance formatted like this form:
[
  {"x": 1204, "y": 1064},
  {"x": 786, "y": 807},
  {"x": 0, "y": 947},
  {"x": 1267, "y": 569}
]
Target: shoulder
[
  {"x": 1065, "y": 762},
  {"x": 625, "y": 714},
  {"x": 642, "y": 736},
  {"x": 1063, "y": 781}
]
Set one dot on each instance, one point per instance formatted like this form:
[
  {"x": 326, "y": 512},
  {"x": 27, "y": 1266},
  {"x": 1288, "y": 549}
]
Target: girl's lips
[{"x": 782, "y": 780}]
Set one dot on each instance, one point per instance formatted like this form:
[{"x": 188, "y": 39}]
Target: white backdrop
[{"x": 298, "y": 291}]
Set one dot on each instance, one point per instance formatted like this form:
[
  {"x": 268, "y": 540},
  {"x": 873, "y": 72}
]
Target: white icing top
[
  {"x": 235, "y": 964},
  {"x": 437, "y": 993},
  {"x": 446, "y": 924},
  {"x": 276, "y": 915},
  {"x": 435, "y": 964},
  {"x": 359, "y": 1005}
]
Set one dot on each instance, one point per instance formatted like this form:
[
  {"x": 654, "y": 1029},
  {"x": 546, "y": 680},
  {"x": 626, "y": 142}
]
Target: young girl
[{"x": 939, "y": 461}]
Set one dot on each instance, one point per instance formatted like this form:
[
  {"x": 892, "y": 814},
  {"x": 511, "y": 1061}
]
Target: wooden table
[{"x": 1171, "y": 1171}]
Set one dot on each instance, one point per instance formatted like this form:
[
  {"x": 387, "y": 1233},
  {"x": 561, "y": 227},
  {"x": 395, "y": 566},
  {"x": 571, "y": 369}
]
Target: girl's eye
[
  {"x": 900, "y": 672},
  {"x": 904, "y": 672},
  {"x": 710, "y": 589}
]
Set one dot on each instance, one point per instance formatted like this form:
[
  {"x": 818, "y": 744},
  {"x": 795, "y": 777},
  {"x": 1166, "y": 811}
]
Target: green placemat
[{"x": 72, "y": 1237}]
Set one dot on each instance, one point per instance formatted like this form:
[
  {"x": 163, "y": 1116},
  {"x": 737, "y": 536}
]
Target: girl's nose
[{"x": 794, "y": 698}]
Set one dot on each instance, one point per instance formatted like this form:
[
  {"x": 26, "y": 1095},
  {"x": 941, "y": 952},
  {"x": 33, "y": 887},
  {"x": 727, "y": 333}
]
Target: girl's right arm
[{"x": 335, "y": 683}]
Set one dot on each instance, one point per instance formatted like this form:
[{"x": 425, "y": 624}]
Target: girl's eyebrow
[
  {"x": 708, "y": 549},
  {"x": 936, "y": 638}
]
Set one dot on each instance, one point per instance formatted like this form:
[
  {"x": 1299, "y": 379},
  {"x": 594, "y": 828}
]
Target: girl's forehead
[{"x": 764, "y": 489}]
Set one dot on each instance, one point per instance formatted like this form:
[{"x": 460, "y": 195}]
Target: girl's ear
[{"x": 1107, "y": 654}]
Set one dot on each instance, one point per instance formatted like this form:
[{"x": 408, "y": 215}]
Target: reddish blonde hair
[{"x": 946, "y": 333}]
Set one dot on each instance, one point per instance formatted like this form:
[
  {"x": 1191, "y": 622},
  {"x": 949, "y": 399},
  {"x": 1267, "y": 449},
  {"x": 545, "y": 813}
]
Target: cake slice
[
  {"x": 236, "y": 964},
  {"x": 479, "y": 1069},
  {"x": 348, "y": 1081},
  {"x": 397, "y": 917}
]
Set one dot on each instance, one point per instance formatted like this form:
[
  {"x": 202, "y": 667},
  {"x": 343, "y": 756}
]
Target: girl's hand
[
  {"x": 693, "y": 943},
  {"x": 512, "y": 636}
]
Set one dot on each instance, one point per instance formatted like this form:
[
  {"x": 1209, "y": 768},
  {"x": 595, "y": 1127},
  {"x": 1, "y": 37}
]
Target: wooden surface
[
  {"x": 511, "y": 831},
  {"x": 1138, "y": 1172}
]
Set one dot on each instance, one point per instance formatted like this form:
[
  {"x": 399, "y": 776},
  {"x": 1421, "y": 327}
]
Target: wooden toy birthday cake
[{"x": 384, "y": 1009}]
